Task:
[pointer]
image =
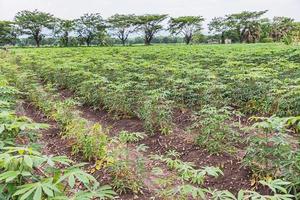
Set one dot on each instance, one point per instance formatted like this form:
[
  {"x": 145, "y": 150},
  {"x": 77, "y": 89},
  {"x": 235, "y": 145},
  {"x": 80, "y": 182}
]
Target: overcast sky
[{"x": 70, "y": 9}]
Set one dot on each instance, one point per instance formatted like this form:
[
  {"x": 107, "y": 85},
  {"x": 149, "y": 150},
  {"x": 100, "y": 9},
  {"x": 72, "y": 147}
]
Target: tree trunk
[
  {"x": 147, "y": 41},
  {"x": 223, "y": 38},
  {"x": 187, "y": 40},
  {"x": 38, "y": 43},
  {"x": 242, "y": 35},
  {"x": 88, "y": 42},
  {"x": 89, "y": 39},
  {"x": 241, "y": 39},
  {"x": 66, "y": 39},
  {"x": 37, "y": 40},
  {"x": 123, "y": 42}
]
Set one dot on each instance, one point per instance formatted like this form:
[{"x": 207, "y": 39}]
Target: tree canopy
[
  {"x": 122, "y": 26},
  {"x": 63, "y": 30},
  {"x": 89, "y": 26},
  {"x": 92, "y": 29},
  {"x": 246, "y": 24},
  {"x": 186, "y": 25},
  {"x": 7, "y": 32},
  {"x": 280, "y": 27},
  {"x": 149, "y": 25},
  {"x": 33, "y": 22},
  {"x": 218, "y": 26}
]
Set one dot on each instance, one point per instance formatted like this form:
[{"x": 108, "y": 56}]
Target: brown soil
[
  {"x": 105, "y": 119},
  {"x": 235, "y": 176},
  {"x": 52, "y": 143}
]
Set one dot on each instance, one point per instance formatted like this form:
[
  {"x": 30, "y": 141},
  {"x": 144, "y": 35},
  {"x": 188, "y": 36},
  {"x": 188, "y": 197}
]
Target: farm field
[{"x": 154, "y": 122}]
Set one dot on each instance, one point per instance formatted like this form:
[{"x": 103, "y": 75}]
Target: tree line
[{"x": 92, "y": 28}]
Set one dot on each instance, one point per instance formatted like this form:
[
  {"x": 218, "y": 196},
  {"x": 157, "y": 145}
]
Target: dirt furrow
[{"x": 181, "y": 141}]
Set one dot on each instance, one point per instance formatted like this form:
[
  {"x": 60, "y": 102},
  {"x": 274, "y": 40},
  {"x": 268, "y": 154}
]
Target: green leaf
[
  {"x": 241, "y": 195},
  {"x": 28, "y": 161},
  {"x": 71, "y": 181},
  {"x": 38, "y": 193},
  {"x": 27, "y": 194},
  {"x": 47, "y": 191},
  {"x": 2, "y": 128},
  {"x": 9, "y": 176}
]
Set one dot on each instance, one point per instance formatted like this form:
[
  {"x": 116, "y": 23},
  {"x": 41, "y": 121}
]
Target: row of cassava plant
[
  {"x": 273, "y": 150},
  {"x": 256, "y": 80},
  {"x": 89, "y": 139},
  {"x": 25, "y": 173},
  {"x": 186, "y": 170},
  {"x": 188, "y": 183},
  {"x": 122, "y": 99},
  {"x": 216, "y": 131},
  {"x": 92, "y": 141}
]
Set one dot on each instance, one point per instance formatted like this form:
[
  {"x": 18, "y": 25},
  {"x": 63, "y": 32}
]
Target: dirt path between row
[
  {"x": 235, "y": 176},
  {"x": 53, "y": 144}
]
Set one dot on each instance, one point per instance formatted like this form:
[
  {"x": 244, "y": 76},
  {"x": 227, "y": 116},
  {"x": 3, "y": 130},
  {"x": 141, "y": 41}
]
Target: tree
[
  {"x": 265, "y": 26},
  {"x": 280, "y": 27},
  {"x": 150, "y": 25},
  {"x": 218, "y": 26},
  {"x": 199, "y": 38},
  {"x": 246, "y": 24},
  {"x": 186, "y": 25},
  {"x": 122, "y": 26},
  {"x": 8, "y": 33},
  {"x": 63, "y": 30},
  {"x": 89, "y": 26},
  {"x": 295, "y": 33},
  {"x": 33, "y": 22}
]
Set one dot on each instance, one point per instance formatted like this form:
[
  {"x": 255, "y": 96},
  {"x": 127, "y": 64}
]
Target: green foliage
[
  {"x": 90, "y": 26},
  {"x": 27, "y": 174},
  {"x": 33, "y": 22},
  {"x": 122, "y": 25},
  {"x": 150, "y": 25},
  {"x": 187, "y": 171},
  {"x": 162, "y": 85},
  {"x": 287, "y": 40},
  {"x": 186, "y": 25},
  {"x": 272, "y": 152},
  {"x": 267, "y": 149},
  {"x": 156, "y": 112},
  {"x": 246, "y": 24},
  {"x": 171, "y": 189},
  {"x": 91, "y": 139},
  {"x": 214, "y": 130},
  {"x": 267, "y": 40},
  {"x": 218, "y": 26},
  {"x": 62, "y": 29},
  {"x": 12, "y": 126},
  {"x": 7, "y": 33},
  {"x": 128, "y": 168},
  {"x": 277, "y": 186},
  {"x": 127, "y": 137},
  {"x": 280, "y": 28},
  {"x": 128, "y": 82}
]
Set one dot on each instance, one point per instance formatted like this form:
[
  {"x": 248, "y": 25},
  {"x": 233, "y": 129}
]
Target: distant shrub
[{"x": 266, "y": 40}]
